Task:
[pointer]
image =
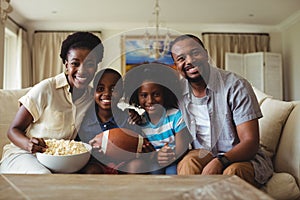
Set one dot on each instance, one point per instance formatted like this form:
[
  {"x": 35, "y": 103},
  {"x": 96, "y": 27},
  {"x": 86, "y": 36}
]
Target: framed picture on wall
[{"x": 136, "y": 50}]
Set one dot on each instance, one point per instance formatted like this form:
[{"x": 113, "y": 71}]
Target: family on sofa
[{"x": 216, "y": 113}]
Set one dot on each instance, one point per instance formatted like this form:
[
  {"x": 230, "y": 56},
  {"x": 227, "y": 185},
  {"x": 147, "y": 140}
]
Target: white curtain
[
  {"x": 24, "y": 59},
  {"x": 218, "y": 44},
  {"x": 45, "y": 54}
]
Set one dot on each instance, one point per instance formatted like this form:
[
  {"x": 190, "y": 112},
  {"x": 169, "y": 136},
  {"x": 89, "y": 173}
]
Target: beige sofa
[{"x": 280, "y": 137}]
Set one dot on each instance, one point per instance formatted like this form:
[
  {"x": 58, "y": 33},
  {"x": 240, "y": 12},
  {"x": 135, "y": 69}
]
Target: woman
[{"x": 53, "y": 108}]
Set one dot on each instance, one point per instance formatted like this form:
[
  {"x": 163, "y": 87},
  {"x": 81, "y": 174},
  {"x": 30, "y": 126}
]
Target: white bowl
[{"x": 65, "y": 163}]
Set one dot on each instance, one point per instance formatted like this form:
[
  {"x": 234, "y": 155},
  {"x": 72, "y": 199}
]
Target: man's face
[{"x": 190, "y": 58}]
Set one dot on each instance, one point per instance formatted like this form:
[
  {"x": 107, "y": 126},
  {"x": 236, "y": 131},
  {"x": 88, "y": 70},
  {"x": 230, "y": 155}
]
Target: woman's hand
[
  {"x": 165, "y": 156},
  {"x": 36, "y": 145}
]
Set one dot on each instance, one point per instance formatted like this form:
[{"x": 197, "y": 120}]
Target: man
[{"x": 221, "y": 112}]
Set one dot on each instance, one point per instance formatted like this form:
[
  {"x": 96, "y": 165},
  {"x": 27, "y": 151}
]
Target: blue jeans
[{"x": 169, "y": 170}]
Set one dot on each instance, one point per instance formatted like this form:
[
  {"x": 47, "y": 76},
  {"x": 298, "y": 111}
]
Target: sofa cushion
[
  {"x": 282, "y": 186},
  {"x": 275, "y": 114},
  {"x": 9, "y": 101},
  {"x": 260, "y": 95}
]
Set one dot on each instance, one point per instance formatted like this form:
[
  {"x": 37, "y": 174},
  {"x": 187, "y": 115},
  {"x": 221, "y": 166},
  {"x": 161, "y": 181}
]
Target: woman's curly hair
[{"x": 82, "y": 40}]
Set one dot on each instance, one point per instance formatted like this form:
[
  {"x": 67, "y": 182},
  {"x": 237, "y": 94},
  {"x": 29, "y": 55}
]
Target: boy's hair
[
  {"x": 104, "y": 71},
  {"x": 160, "y": 74},
  {"x": 84, "y": 40}
]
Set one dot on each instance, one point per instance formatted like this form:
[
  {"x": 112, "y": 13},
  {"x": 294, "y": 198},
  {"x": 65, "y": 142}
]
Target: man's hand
[{"x": 213, "y": 167}]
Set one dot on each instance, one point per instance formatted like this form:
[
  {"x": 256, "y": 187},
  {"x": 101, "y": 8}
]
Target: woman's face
[
  {"x": 105, "y": 93},
  {"x": 151, "y": 97},
  {"x": 80, "y": 66}
]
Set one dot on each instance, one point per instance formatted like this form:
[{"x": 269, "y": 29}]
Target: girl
[
  {"x": 53, "y": 108},
  {"x": 154, "y": 87}
]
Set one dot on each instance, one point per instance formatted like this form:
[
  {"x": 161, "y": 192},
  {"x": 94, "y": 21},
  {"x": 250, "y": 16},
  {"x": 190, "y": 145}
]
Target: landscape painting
[{"x": 136, "y": 51}]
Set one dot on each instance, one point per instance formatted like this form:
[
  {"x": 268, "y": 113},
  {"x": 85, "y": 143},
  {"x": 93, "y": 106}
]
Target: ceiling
[{"x": 140, "y": 12}]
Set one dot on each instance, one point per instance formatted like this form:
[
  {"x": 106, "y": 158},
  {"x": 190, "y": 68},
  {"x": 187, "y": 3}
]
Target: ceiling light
[
  {"x": 5, "y": 8},
  {"x": 157, "y": 45}
]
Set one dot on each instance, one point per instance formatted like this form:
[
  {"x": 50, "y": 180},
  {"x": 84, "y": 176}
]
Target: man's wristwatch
[{"x": 224, "y": 160}]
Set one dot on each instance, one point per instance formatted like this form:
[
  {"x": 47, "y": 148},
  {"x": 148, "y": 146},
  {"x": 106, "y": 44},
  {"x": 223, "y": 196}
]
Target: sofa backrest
[
  {"x": 9, "y": 106},
  {"x": 287, "y": 158},
  {"x": 280, "y": 133}
]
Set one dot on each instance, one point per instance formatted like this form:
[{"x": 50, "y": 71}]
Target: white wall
[
  {"x": 1, "y": 53},
  {"x": 112, "y": 51},
  {"x": 291, "y": 60}
]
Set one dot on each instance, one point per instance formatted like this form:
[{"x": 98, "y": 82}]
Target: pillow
[
  {"x": 282, "y": 186},
  {"x": 275, "y": 114},
  {"x": 260, "y": 95},
  {"x": 10, "y": 98}
]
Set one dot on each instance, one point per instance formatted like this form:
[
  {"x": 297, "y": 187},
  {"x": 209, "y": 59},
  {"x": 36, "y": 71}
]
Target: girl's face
[
  {"x": 105, "y": 91},
  {"x": 81, "y": 66},
  {"x": 151, "y": 97}
]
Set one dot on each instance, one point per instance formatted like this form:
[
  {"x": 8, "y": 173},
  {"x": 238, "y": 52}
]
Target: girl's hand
[
  {"x": 166, "y": 155},
  {"x": 36, "y": 145},
  {"x": 134, "y": 117},
  {"x": 147, "y": 147}
]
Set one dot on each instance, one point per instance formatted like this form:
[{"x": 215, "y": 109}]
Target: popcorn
[{"x": 64, "y": 147}]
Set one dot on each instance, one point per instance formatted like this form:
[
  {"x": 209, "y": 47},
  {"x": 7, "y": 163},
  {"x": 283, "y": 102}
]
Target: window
[{"x": 12, "y": 79}]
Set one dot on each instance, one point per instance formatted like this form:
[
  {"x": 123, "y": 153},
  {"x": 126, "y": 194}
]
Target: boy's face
[{"x": 105, "y": 91}]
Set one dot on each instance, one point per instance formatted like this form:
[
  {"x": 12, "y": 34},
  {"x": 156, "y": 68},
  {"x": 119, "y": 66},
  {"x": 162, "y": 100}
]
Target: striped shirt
[{"x": 164, "y": 131}]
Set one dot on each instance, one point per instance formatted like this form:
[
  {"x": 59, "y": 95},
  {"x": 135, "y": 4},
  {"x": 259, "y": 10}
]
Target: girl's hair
[
  {"x": 157, "y": 73},
  {"x": 85, "y": 40}
]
